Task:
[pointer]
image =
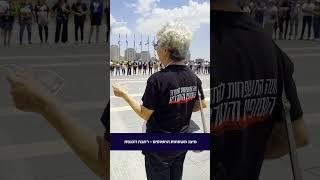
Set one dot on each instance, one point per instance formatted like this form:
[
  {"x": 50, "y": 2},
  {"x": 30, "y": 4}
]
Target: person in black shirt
[
  {"x": 170, "y": 97},
  {"x": 144, "y": 65},
  {"x": 129, "y": 65},
  {"x": 135, "y": 65},
  {"x": 62, "y": 9},
  {"x": 150, "y": 65},
  {"x": 79, "y": 10},
  {"x": 139, "y": 67},
  {"x": 249, "y": 73},
  {"x": 284, "y": 18}
]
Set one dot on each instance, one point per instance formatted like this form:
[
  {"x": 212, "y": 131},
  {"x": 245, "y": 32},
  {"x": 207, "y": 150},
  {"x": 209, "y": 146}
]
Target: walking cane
[
  {"x": 292, "y": 144},
  {"x": 205, "y": 129}
]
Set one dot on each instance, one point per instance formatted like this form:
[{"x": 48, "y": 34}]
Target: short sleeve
[
  {"x": 106, "y": 121},
  {"x": 150, "y": 96},
  {"x": 287, "y": 70}
]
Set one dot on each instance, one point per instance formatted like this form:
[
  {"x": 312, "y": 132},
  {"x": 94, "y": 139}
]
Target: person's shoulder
[{"x": 155, "y": 76}]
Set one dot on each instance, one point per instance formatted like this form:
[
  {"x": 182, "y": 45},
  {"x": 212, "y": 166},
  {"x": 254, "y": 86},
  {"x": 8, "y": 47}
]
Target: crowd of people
[
  {"x": 280, "y": 16},
  {"x": 128, "y": 68},
  {"x": 25, "y": 14}
]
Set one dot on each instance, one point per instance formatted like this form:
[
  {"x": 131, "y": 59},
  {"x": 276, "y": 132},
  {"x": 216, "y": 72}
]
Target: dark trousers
[
  {"x": 134, "y": 70},
  {"x": 316, "y": 27},
  {"x": 25, "y": 23},
  {"x": 129, "y": 71},
  {"x": 64, "y": 35},
  {"x": 46, "y": 32},
  {"x": 169, "y": 169},
  {"x": 282, "y": 22},
  {"x": 78, "y": 24},
  {"x": 306, "y": 20}
]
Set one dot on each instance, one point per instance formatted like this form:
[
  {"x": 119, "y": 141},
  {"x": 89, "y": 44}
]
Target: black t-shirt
[
  {"x": 286, "y": 13},
  {"x": 62, "y": 11},
  {"x": 150, "y": 64},
  {"x": 106, "y": 121},
  {"x": 79, "y": 8},
  {"x": 171, "y": 93},
  {"x": 135, "y": 64},
  {"x": 246, "y": 95},
  {"x": 129, "y": 64}
]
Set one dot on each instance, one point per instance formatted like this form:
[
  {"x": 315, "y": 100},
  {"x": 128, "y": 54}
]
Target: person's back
[
  {"x": 178, "y": 95},
  {"x": 247, "y": 88}
]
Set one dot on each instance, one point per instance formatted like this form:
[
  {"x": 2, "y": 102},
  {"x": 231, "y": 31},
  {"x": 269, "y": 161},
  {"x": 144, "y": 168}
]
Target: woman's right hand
[{"x": 119, "y": 90}]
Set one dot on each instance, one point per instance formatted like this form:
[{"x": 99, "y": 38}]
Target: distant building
[
  {"x": 138, "y": 56},
  {"x": 114, "y": 52},
  {"x": 145, "y": 56},
  {"x": 130, "y": 54}
]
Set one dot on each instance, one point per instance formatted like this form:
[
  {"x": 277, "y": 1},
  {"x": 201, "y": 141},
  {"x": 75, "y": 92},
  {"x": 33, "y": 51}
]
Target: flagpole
[
  {"x": 134, "y": 42},
  {"x": 141, "y": 44},
  {"x": 119, "y": 43},
  {"x": 127, "y": 47}
]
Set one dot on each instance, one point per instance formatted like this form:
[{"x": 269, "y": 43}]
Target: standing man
[
  {"x": 42, "y": 15},
  {"x": 139, "y": 67},
  {"x": 284, "y": 18},
  {"x": 272, "y": 19},
  {"x": 144, "y": 66},
  {"x": 294, "y": 20},
  {"x": 63, "y": 10},
  {"x": 259, "y": 12},
  {"x": 307, "y": 12},
  {"x": 244, "y": 138},
  {"x": 79, "y": 10},
  {"x": 135, "y": 66},
  {"x": 316, "y": 20},
  {"x": 4, "y": 14},
  {"x": 25, "y": 19},
  {"x": 96, "y": 13},
  {"x": 129, "y": 66},
  {"x": 150, "y": 66}
]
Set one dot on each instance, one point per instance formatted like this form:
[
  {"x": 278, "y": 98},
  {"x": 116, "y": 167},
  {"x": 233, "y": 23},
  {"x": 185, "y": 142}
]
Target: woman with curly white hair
[{"x": 170, "y": 97}]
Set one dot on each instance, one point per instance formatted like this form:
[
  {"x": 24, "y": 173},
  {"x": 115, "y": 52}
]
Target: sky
[{"x": 129, "y": 17}]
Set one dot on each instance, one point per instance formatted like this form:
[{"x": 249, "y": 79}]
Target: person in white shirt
[
  {"x": 295, "y": 15},
  {"x": 307, "y": 11}
]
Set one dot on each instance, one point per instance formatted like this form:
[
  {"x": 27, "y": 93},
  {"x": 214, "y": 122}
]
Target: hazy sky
[{"x": 146, "y": 16}]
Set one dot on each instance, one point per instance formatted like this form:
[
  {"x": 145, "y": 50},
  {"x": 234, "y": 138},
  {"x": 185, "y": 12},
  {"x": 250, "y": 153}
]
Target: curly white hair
[{"x": 176, "y": 37}]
